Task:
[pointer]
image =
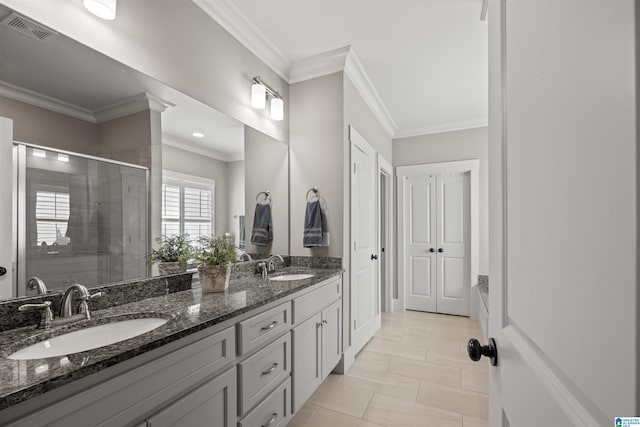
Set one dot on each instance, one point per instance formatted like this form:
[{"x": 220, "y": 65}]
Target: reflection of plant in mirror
[
  {"x": 172, "y": 249},
  {"x": 215, "y": 250}
]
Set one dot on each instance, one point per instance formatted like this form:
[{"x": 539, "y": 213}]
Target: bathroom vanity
[{"x": 249, "y": 357}]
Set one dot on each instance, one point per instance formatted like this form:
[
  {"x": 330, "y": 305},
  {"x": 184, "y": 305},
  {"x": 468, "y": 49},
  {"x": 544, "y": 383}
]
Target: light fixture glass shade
[
  {"x": 105, "y": 9},
  {"x": 258, "y": 96},
  {"x": 277, "y": 109}
]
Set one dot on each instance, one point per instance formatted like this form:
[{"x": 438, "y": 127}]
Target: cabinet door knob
[
  {"x": 374, "y": 256},
  {"x": 440, "y": 250},
  {"x": 3, "y": 271},
  {"x": 324, "y": 322},
  {"x": 476, "y": 351},
  {"x": 432, "y": 250}
]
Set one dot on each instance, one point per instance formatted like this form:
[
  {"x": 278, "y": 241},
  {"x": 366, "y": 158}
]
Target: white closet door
[
  {"x": 453, "y": 249},
  {"x": 421, "y": 243}
]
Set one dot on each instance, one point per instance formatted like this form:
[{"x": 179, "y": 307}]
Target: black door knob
[
  {"x": 432, "y": 250},
  {"x": 476, "y": 351},
  {"x": 440, "y": 250},
  {"x": 3, "y": 271},
  {"x": 374, "y": 256}
]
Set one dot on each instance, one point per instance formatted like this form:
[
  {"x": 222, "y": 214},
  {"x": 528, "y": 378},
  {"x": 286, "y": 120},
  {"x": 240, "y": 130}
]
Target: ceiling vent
[{"x": 27, "y": 27}]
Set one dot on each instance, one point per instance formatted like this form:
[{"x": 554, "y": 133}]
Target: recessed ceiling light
[
  {"x": 105, "y": 9},
  {"x": 198, "y": 134}
]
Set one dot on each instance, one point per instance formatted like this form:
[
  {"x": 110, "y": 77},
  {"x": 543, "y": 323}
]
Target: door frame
[
  {"x": 471, "y": 166},
  {"x": 385, "y": 168}
]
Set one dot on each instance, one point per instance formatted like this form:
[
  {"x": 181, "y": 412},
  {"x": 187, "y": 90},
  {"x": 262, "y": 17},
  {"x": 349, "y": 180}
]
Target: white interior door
[
  {"x": 564, "y": 185},
  {"x": 365, "y": 299},
  {"x": 420, "y": 260},
  {"x": 453, "y": 253},
  {"x": 6, "y": 209}
]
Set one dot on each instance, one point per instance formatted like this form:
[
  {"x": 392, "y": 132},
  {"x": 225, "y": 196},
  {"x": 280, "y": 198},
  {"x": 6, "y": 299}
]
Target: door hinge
[
  {"x": 354, "y": 246},
  {"x": 354, "y": 325},
  {"x": 354, "y": 168}
]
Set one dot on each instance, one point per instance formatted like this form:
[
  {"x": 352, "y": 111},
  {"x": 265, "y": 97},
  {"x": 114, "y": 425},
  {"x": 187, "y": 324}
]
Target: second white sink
[
  {"x": 288, "y": 277},
  {"x": 88, "y": 338}
]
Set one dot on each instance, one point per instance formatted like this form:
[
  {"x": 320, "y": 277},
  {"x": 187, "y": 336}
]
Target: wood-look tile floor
[{"x": 414, "y": 372}]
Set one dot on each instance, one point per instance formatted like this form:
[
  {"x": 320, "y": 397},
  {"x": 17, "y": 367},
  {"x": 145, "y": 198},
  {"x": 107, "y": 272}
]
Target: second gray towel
[
  {"x": 262, "y": 230},
  {"x": 312, "y": 225}
]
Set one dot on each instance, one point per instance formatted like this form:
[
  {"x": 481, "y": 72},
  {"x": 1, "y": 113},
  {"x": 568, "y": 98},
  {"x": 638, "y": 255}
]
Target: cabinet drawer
[
  {"x": 313, "y": 302},
  {"x": 260, "y": 329},
  {"x": 262, "y": 372},
  {"x": 274, "y": 411}
]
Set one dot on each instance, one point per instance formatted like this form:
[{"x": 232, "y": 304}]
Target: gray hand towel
[
  {"x": 262, "y": 230},
  {"x": 312, "y": 225}
]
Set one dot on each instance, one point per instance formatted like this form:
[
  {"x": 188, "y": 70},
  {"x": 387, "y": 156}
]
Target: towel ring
[
  {"x": 313, "y": 190},
  {"x": 267, "y": 197}
]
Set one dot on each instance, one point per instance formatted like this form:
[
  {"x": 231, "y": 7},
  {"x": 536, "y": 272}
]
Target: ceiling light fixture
[
  {"x": 198, "y": 134},
  {"x": 105, "y": 9},
  {"x": 259, "y": 93}
]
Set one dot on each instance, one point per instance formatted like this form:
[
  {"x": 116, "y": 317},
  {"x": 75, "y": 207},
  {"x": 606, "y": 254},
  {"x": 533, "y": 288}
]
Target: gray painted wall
[
  {"x": 317, "y": 159},
  {"x": 446, "y": 147}
]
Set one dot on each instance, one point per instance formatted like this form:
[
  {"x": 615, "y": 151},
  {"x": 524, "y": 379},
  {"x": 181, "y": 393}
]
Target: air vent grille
[{"x": 27, "y": 27}]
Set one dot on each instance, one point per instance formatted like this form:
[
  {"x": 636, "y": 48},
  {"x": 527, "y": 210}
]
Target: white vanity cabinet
[
  {"x": 316, "y": 340},
  {"x": 248, "y": 371}
]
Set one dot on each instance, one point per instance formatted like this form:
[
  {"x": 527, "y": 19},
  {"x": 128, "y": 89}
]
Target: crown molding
[
  {"x": 229, "y": 17},
  {"x": 33, "y": 98},
  {"x": 345, "y": 59},
  {"x": 176, "y": 142},
  {"x": 135, "y": 104},
  {"x": 319, "y": 65},
  {"x": 411, "y": 131},
  {"x": 360, "y": 79}
]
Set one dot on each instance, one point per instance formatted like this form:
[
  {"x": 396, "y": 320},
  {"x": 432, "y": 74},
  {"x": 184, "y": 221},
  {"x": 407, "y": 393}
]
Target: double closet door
[{"x": 436, "y": 218}]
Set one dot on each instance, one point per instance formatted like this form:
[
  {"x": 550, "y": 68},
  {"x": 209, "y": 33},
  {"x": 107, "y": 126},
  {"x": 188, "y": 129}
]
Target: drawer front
[
  {"x": 262, "y": 328},
  {"x": 274, "y": 411},
  {"x": 311, "y": 303},
  {"x": 262, "y": 372}
]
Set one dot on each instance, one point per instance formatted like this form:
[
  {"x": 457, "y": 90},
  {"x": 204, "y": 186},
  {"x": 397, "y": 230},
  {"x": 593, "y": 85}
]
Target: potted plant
[
  {"x": 172, "y": 254},
  {"x": 215, "y": 255}
]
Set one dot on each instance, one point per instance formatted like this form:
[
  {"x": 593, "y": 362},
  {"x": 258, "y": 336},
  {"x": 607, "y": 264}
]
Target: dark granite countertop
[{"x": 188, "y": 312}]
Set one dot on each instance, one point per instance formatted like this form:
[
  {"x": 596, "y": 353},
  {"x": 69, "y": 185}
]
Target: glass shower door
[{"x": 80, "y": 219}]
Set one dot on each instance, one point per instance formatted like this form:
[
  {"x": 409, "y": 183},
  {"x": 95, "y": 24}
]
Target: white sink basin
[
  {"x": 88, "y": 338},
  {"x": 288, "y": 277}
]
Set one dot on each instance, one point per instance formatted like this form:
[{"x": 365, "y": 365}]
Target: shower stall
[{"x": 79, "y": 219}]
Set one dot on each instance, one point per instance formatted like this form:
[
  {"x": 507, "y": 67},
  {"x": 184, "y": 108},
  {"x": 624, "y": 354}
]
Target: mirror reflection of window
[
  {"x": 52, "y": 216},
  {"x": 187, "y": 206}
]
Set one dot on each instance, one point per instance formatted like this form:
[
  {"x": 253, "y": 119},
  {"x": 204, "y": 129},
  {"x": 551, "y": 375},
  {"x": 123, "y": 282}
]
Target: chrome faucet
[
  {"x": 83, "y": 294},
  {"x": 262, "y": 266},
  {"x": 271, "y": 265},
  {"x": 66, "y": 313},
  {"x": 37, "y": 283},
  {"x": 243, "y": 254}
]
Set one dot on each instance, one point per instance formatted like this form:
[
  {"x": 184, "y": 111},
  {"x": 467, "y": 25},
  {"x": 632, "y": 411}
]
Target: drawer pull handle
[
  {"x": 273, "y": 419},
  {"x": 271, "y": 326},
  {"x": 271, "y": 369}
]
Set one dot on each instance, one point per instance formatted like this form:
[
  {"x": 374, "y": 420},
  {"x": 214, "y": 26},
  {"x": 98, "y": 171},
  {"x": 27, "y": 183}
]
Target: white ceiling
[
  {"x": 427, "y": 59},
  {"x": 86, "y": 81}
]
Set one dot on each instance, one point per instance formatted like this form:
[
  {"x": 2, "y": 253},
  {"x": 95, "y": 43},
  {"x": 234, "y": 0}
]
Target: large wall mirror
[{"x": 106, "y": 160}]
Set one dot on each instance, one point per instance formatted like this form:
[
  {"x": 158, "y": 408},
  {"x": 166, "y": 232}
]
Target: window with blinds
[
  {"x": 187, "y": 206},
  {"x": 52, "y": 216}
]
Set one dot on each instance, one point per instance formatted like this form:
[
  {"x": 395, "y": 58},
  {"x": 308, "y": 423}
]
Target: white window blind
[
  {"x": 52, "y": 215},
  {"x": 187, "y": 206}
]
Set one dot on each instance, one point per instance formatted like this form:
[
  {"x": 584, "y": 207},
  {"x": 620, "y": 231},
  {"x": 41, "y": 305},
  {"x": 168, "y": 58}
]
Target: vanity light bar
[{"x": 269, "y": 89}]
